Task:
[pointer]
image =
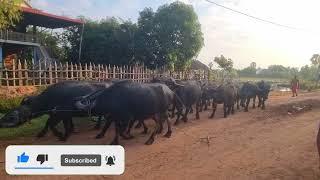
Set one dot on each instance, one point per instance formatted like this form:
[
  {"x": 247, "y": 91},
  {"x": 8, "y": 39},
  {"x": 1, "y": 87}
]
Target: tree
[
  {"x": 9, "y": 13},
  {"x": 146, "y": 43},
  {"x": 224, "y": 63},
  {"x": 108, "y": 41},
  {"x": 178, "y": 33}
]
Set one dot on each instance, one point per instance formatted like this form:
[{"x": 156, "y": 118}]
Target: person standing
[{"x": 294, "y": 86}]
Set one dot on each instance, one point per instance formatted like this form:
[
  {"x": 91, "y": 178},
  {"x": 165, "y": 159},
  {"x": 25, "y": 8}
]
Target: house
[{"x": 16, "y": 41}]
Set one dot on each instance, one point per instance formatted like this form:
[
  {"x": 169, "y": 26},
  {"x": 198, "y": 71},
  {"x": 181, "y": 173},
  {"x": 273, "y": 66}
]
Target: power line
[{"x": 253, "y": 17}]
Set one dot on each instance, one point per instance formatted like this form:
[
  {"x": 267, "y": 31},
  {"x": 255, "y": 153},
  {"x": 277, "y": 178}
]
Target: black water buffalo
[
  {"x": 251, "y": 91},
  {"x": 189, "y": 93},
  {"x": 263, "y": 93},
  {"x": 170, "y": 98},
  {"x": 207, "y": 94},
  {"x": 58, "y": 102},
  {"x": 227, "y": 95},
  {"x": 125, "y": 102}
]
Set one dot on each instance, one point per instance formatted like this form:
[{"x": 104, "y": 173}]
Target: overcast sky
[{"x": 241, "y": 38}]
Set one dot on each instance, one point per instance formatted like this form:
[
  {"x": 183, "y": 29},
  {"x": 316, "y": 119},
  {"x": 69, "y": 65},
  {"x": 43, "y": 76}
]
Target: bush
[
  {"x": 6, "y": 104},
  {"x": 308, "y": 85}
]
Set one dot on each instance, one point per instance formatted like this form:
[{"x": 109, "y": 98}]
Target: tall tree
[
  {"x": 179, "y": 34},
  {"x": 9, "y": 13},
  {"x": 146, "y": 43},
  {"x": 224, "y": 63}
]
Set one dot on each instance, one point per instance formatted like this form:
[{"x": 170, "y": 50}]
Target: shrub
[{"x": 6, "y": 104}]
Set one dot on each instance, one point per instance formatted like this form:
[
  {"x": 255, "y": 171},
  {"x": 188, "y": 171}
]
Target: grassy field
[{"x": 27, "y": 129}]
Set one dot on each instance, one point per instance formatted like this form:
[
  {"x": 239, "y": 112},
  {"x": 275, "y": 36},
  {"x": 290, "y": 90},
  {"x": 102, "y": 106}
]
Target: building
[{"x": 14, "y": 42}]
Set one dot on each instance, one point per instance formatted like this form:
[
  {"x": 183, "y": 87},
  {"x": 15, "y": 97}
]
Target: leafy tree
[
  {"x": 178, "y": 33},
  {"x": 224, "y": 63},
  {"x": 146, "y": 43},
  {"x": 9, "y": 13},
  {"x": 170, "y": 37}
]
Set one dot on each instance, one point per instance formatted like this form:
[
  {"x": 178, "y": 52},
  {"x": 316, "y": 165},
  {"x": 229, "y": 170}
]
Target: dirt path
[{"x": 257, "y": 145}]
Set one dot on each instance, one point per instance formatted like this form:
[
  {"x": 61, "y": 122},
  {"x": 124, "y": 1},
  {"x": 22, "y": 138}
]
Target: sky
[{"x": 238, "y": 37}]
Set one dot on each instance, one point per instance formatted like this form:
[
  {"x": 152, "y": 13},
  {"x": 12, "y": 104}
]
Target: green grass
[{"x": 25, "y": 130}]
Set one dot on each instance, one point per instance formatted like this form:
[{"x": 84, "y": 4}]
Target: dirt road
[{"x": 260, "y": 144}]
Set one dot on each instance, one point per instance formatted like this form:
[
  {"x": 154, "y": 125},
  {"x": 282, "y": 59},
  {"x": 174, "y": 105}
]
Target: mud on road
[{"x": 269, "y": 144}]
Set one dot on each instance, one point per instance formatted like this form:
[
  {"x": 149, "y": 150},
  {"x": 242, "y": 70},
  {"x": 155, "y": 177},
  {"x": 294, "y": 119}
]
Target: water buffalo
[
  {"x": 207, "y": 94},
  {"x": 170, "y": 96},
  {"x": 125, "y": 102},
  {"x": 189, "y": 92},
  {"x": 248, "y": 91},
  {"x": 58, "y": 102},
  {"x": 263, "y": 93},
  {"x": 251, "y": 91},
  {"x": 227, "y": 95}
]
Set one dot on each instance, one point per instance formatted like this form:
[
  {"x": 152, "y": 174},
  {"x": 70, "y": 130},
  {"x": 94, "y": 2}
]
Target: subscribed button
[{"x": 80, "y": 160}]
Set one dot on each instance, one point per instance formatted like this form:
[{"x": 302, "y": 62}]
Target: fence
[
  {"x": 22, "y": 74},
  {"x": 15, "y": 36}
]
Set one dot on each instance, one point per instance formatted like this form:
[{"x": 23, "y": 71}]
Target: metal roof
[{"x": 40, "y": 18}]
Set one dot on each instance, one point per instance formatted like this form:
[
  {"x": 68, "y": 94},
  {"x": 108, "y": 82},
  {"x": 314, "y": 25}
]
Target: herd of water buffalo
[{"x": 125, "y": 102}]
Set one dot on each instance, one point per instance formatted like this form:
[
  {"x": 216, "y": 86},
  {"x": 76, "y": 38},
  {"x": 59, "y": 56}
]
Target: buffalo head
[{"x": 16, "y": 117}]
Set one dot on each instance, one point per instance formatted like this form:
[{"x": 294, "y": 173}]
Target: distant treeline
[{"x": 307, "y": 72}]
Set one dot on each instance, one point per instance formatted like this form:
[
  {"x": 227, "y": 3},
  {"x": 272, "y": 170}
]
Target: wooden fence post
[
  {"x": 14, "y": 72},
  {"x": 50, "y": 73},
  {"x": 80, "y": 72},
  {"x": 20, "y": 77},
  {"x": 55, "y": 72},
  {"x": 26, "y": 75},
  {"x": 7, "y": 78},
  {"x": 71, "y": 71}
]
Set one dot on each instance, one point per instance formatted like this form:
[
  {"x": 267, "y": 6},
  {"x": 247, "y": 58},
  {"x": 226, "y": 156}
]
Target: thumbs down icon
[{"x": 42, "y": 158}]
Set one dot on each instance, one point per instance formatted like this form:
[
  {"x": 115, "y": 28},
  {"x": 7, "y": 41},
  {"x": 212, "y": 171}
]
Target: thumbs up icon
[{"x": 23, "y": 158}]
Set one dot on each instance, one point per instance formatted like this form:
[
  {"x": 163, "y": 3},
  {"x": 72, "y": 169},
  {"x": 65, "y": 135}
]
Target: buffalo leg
[
  {"x": 98, "y": 124},
  {"x": 232, "y": 109},
  {"x": 67, "y": 123},
  {"x": 145, "y": 129},
  {"x": 185, "y": 116},
  {"x": 157, "y": 120},
  {"x": 53, "y": 121},
  {"x": 44, "y": 131},
  {"x": 191, "y": 110},
  {"x": 206, "y": 105},
  {"x": 254, "y": 102},
  {"x": 214, "y": 108},
  {"x": 179, "y": 113},
  {"x": 263, "y": 105},
  {"x": 237, "y": 101},
  {"x": 246, "y": 109},
  {"x": 104, "y": 129},
  {"x": 201, "y": 106},
  {"x": 115, "y": 140},
  {"x": 72, "y": 126},
  {"x": 225, "y": 110},
  {"x": 229, "y": 108},
  {"x": 129, "y": 130},
  {"x": 169, "y": 132},
  {"x": 173, "y": 109},
  {"x": 197, "y": 110}
]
